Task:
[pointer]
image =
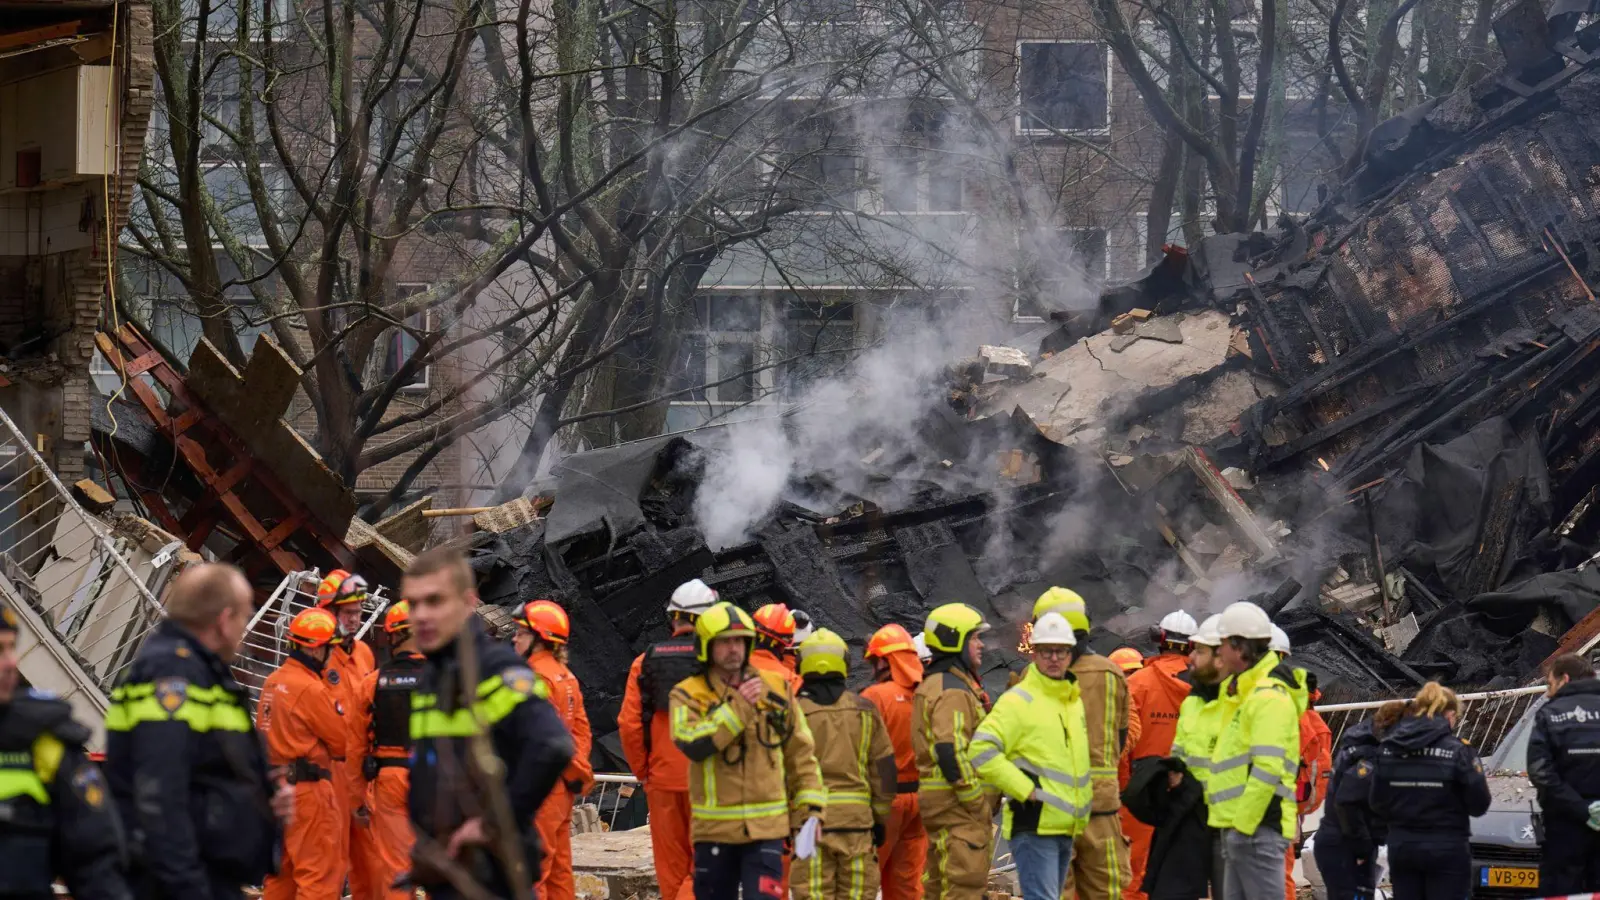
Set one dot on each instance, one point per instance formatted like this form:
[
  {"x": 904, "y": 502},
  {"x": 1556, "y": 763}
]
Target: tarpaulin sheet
[
  {"x": 1575, "y": 592},
  {"x": 601, "y": 489}
]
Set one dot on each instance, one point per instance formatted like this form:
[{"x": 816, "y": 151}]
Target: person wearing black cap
[{"x": 56, "y": 820}]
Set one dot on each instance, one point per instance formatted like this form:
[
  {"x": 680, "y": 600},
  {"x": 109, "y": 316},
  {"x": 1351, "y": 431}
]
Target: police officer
[
  {"x": 507, "y": 699},
  {"x": 183, "y": 759},
  {"x": 1564, "y": 766},
  {"x": 1349, "y": 836},
  {"x": 1426, "y": 787},
  {"x": 54, "y": 818}
]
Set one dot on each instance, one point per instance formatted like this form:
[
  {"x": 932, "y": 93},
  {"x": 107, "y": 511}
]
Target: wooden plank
[{"x": 11, "y": 40}]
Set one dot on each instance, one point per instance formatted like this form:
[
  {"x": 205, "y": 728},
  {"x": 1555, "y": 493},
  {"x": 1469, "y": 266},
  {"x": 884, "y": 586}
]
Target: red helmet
[
  {"x": 890, "y": 639},
  {"x": 546, "y": 619},
  {"x": 774, "y": 621},
  {"x": 397, "y": 618},
  {"x": 339, "y": 588},
  {"x": 313, "y": 628}
]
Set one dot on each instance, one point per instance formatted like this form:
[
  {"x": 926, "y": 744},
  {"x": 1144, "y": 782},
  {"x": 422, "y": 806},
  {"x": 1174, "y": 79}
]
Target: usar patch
[
  {"x": 90, "y": 786},
  {"x": 171, "y": 693}
]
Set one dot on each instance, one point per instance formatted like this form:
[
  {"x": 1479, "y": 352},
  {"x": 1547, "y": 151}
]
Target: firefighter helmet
[
  {"x": 692, "y": 598},
  {"x": 397, "y": 618},
  {"x": 890, "y": 639},
  {"x": 775, "y": 622},
  {"x": 546, "y": 619},
  {"x": 949, "y": 626},
  {"x": 824, "y": 653},
  {"x": 1245, "y": 620},
  {"x": 1127, "y": 659},
  {"x": 721, "y": 620},
  {"x": 1065, "y": 601},
  {"x": 313, "y": 628},
  {"x": 339, "y": 588}
]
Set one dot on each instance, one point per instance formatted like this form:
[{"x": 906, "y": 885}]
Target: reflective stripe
[
  {"x": 16, "y": 783},
  {"x": 1269, "y": 750},
  {"x": 1283, "y": 791},
  {"x": 848, "y": 797},
  {"x": 744, "y": 811},
  {"x": 1196, "y": 762},
  {"x": 726, "y": 717},
  {"x": 1268, "y": 777},
  {"x": 1052, "y": 774},
  {"x": 496, "y": 701},
  {"x": 989, "y": 752},
  {"x": 819, "y": 799},
  {"x": 1233, "y": 762},
  {"x": 1224, "y": 795},
  {"x": 1023, "y": 694},
  {"x": 1053, "y": 801},
  {"x": 202, "y": 709},
  {"x": 686, "y": 732}
]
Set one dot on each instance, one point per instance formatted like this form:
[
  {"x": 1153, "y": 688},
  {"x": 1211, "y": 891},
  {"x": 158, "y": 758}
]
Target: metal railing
[
  {"x": 611, "y": 794},
  {"x": 265, "y": 647},
  {"x": 1485, "y": 717},
  {"x": 86, "y": 590}
]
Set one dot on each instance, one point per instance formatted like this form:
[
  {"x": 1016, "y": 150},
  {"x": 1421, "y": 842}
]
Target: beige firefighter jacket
[
  {"x": 856, "y": 758},
  {"x": 1105, "y": 709},
  {"x": 945, "y": 711}
]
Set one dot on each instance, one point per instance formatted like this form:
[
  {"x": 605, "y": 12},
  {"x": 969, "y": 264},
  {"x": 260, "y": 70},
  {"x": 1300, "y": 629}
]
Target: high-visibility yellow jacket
[
  {"x": 1199, "y": 721},
  {"x": 854, "y": 754},
  {"x": 1105, "y": 708},
  {"x": 945, "y": 712},
  {"x": 753, "y": 772},
  {"x": 1257, "y": 754},
  {"x": 1036, "y": 738}
]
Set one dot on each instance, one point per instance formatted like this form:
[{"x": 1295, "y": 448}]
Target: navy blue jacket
[{"x": 1427, "y": 784}]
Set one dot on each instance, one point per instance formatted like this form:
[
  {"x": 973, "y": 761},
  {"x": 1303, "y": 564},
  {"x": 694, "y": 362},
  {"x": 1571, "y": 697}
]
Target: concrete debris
[
  {"x": 1163, "y": 329},
  {"x": 1004, "y": 363}
]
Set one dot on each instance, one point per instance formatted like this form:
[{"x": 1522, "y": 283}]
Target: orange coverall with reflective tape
[
  {"x": 1311, "y": 782},
  {"x": 1154, "y": 694},
  {"x": 389, "y": 853},
  {"x": 664, "y": 771},
  {"x": 345, "y": 672},
  {"x": 299, "y": 719},
  {"x": 905, "y": 844},
  {"x": 554, "y": 819}
]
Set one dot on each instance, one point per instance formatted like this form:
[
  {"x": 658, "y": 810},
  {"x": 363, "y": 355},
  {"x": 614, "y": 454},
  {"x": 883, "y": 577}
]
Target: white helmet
[
  {"x": 692, "y": 598},
  {"x": 1052, "y": 630},
  {"x": 923, "y": 653},
  {"x": 1178, "y": 625},
  {"x": 1279, "y": 642},
  {"x": 803, "y": 626},
  {"x": 1245, "y": 620},
  {"x": 1208, "y": 634}
]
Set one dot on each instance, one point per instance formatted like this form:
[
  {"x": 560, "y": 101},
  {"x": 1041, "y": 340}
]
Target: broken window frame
[
  {"x": 1023, "y": 116},
  {"x": 1020, "y": 317}
]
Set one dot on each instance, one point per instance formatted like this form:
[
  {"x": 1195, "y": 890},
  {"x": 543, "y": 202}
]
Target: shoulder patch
[
  {"x": 90, "y": 785},
  {"x": 182, "y": 651},
  {"x": 171, "y": 693},
  {"x": 522, "y": 680},
  {"x": 1363, "y": 770},
  {"x": 333, "y": 676},
  {"x": 1477, "y": 766},
  {"x": 9, "y": 618}
]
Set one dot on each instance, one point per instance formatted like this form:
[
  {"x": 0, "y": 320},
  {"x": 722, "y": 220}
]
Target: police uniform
[
  {"x": 188, "y": 773},
  {"x": 55, "y": 815},
  {"x": 1564, "y": 766},
  {"x": 1427, "y": 786},
  {"x": 527, "y": 736},
  {"x": 1347, "y": 837}
]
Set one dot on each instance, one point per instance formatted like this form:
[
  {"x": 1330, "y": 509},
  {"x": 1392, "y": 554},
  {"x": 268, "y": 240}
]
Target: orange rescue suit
[
  {"x": 1311, "y": 782},
  {"x": 768, "y": 661},
  {"x": 659, "y": 765},
  {"x": 384, "y": 712},
  {"x": 1156, "y": 693},
  {"x": 554, "y": 819},
  {"x": 905, "y": 845},
  {"x": 344, "y": 673},
  {"x": 304, "y": 728}
]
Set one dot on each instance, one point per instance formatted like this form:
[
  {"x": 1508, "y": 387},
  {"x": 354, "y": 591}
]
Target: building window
[
  {"x": 817, "y": 338},
  {"x": 172, "y": 313},
  {"x": 399, "y": 344},
  {"x": 1069, "y": 271},
  {"x": 818, "y": 159},
  {"x": 1065, "y": 86},
  {"x": 396, "y": 116},
  {"x": 718, "y": 354},
  {"x": 916, "y": 173},
  {"x": 229, "y": 187},
  {"x": 817, "y": 10}
]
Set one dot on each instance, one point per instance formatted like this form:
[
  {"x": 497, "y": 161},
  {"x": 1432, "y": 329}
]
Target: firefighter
[
  {"x": 858, "y": 771},
  {"x": 542, "y": 639},
  {"x": 1156, "y": 691},
  {"x": 945, "y": 711},
  {"x": 774, "y": 647},
  {"x": 1426, "y": 786},
  {"x": 1034, "y": 748},
  {"x": 182, "y": 754},
  {"x": 305, "y": 729},
  {"x": 350, "y": 661},
  {"x": 1316, "y": 757},
  {"x": 803, "y": 626},
  {"x": 892, "y": 651},
  {"x": 1100, "y": 855},
  {"x": 646, "y": 733},
  {"x": 385, "y": 706},
  {"x": 1127, "y": 659},
  {"x": 756, "y": 781},
  {"x": 506, "y": 700},
  {"x": 54, "y": 818},
  {"x": 1251, "y": 785},
  {"x": 1564, "y": 766}
]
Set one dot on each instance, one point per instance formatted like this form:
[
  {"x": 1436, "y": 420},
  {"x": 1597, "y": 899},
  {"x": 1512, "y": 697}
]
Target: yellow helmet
[
  {"x": 721, "y": 620},
  {"x": 824, "y": 653},
  {"x": 949, "y": 626},
  {"x": 1065, "y": 601}
]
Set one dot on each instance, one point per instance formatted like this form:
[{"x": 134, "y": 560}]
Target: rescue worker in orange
[
  {"x": 892, "y": 652},
  {"x": 349, "y": 663},
  {"x": 384, "y": 712},
  {"x": 774, "y": 648},
  {"x": 1316, "y": 758},
  {"x": 541, "y": 639},
  {"x": 1156, "y": 692},
  {"x": 645, "y": 728},
  {"x": 303, "y": 725}
]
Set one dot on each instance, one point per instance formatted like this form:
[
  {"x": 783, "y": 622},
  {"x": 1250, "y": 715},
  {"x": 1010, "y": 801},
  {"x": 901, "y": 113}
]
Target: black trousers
[
  {"x": 1570, "y": 861},
  {"x": 1430, "y": 870},
  {"x": 721, "y": 870},
  {"x": 1344, "y": 877}
]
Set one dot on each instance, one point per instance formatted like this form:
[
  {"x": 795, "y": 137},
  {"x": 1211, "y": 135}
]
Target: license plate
[{"x": 1502, "y": 876}]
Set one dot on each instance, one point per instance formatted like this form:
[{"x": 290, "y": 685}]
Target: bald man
[{"x": 183, "y": 759}]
